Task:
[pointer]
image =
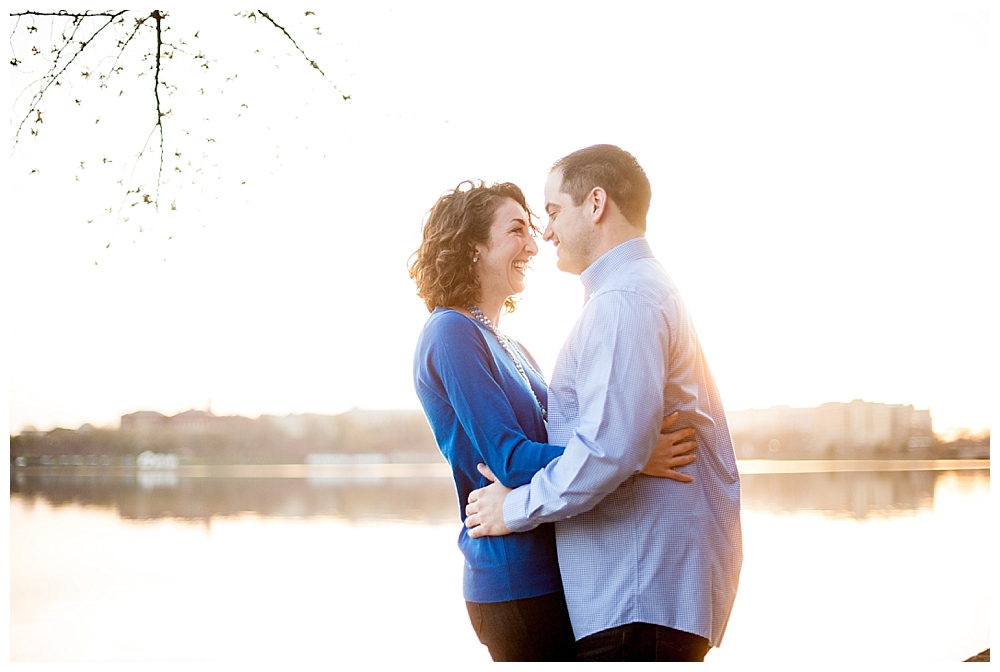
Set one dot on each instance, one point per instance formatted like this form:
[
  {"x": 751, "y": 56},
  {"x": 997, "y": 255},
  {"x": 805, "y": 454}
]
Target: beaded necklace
[{"x": 505, "y": 344}]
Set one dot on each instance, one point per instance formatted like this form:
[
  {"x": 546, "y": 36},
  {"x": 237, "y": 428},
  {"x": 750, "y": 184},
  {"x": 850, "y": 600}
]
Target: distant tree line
[
  {"x": 198, "y": 437},
  {"x": 792, "y": 445}
]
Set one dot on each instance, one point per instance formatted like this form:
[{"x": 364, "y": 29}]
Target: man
[{"x": 649, "y": 566}]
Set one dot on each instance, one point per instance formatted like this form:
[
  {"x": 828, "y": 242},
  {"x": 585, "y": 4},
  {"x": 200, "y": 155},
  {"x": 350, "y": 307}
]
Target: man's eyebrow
[{"x": 551, "y": 206}]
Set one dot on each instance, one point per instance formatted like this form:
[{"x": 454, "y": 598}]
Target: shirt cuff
[{"x": 514, "y": 510}]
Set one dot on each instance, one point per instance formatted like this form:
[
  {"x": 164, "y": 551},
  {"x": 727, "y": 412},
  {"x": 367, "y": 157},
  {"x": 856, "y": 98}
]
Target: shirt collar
[{"x": 608, "y": 264}]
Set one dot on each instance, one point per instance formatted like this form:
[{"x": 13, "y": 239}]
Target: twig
[
  {"x": 313, "y": 63},
  {"x": 37, "y": 98},
  {"x": 292, "y": 40},
  {"x": 156, "y": 91},
  {"x": 128, "y": 188},
  {"x": 69, "y": 14},
  {"x": 138, "y": 26}
]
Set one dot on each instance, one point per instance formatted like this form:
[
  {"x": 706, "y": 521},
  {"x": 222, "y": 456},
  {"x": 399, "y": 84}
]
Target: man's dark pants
[{"x": 642, "y": 642}]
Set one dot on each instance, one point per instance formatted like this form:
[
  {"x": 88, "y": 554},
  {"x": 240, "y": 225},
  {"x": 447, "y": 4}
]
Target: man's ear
[{"x": 597, "y": 203}]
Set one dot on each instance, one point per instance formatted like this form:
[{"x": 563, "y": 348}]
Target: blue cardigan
[{"x": 480, "y": 410}]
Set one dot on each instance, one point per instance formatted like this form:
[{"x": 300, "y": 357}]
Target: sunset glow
[{"x": 823, "y": 182}]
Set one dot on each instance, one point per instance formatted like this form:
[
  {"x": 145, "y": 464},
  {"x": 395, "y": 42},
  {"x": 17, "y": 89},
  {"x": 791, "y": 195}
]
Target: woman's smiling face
[{"x": 503, "y": 262}]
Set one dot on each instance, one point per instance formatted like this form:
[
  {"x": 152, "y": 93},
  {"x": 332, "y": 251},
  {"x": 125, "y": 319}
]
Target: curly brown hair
[{"x": 442, "y": 266}]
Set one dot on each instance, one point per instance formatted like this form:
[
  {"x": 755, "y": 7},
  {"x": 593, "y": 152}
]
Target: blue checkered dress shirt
[{"x": 632, "y": 548}]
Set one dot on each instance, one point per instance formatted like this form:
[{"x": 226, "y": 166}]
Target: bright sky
[{"x": 824, "y": 179}]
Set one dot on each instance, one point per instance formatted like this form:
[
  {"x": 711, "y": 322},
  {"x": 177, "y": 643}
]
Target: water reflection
[
  {"x": 857, "y": 495},
  {"x": 144, "y": 495},
  {"x": 165, "y": 495},
  {"x": 288, "y": 568}
]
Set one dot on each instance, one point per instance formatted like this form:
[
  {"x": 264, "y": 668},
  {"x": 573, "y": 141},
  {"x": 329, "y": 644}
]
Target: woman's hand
[{"x": 674, "y": 449}]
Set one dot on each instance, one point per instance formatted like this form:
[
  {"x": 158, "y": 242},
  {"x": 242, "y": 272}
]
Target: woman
[{"x": 485, "y": 401}]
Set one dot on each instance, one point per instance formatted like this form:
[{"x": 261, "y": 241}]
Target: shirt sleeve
[
  {"x": 621, "y": 368},
  {"x": 464, "y": 366}
]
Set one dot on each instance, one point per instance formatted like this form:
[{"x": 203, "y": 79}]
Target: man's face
[{"x": 570, "y": 228}]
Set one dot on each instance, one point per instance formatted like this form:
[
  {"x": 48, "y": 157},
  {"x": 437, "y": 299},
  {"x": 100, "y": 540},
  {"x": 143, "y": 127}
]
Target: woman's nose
[{"x": 532, "y": 246}]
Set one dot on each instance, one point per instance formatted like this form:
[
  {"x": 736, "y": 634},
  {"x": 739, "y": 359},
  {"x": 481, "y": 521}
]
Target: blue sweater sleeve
[{"x": 460, "y": 368}]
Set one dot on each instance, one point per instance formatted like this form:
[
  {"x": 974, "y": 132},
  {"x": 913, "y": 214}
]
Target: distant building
[
  {"x": 201, "y": 437},
  {"x": 304, "y": 425},
  {"x": 143, "y": 421},
  {"x": 830, "y": 429},
  {"x": 193, "y": 422},
  {"x": 387, "y": 431}
]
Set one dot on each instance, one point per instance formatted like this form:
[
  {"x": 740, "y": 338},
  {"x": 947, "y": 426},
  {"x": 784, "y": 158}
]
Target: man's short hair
[{"x": 612, "y": 169}]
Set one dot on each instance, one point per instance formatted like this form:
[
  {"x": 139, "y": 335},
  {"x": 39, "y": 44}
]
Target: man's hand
[
  {"x": 672, "y": 450},
  {"x": 484, "y": 512}
]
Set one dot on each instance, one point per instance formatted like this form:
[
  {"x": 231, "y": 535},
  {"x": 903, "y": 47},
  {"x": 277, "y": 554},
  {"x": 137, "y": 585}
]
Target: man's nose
[{"x": 547, "y": 234}]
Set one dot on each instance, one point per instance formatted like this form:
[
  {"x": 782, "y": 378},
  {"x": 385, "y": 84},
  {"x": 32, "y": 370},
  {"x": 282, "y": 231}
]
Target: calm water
[{"x": 331, "y": 565}]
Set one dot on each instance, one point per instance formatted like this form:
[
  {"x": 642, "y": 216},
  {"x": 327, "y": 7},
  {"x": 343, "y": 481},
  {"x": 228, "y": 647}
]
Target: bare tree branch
[
  {"x": 51, "y": 77},
  {"x": 124, "y": 45},
  {"x": 158, "y": 16},
  {"x": 73, "y": 33},
  {"x": 69, "y": 14},
  {"x": 291, "y": 39}
]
